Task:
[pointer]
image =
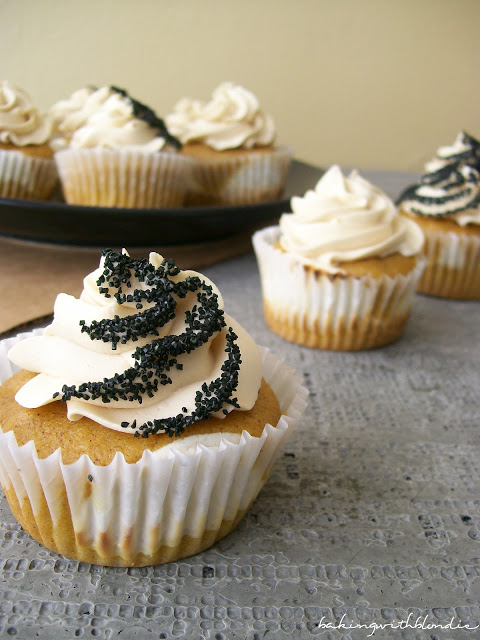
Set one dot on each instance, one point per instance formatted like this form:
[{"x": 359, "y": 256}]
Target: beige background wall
[{"x": 366, "y": 83}]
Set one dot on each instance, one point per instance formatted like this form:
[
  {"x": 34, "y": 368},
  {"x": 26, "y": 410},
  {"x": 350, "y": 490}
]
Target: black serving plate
[{"x": 61, "y": 223}]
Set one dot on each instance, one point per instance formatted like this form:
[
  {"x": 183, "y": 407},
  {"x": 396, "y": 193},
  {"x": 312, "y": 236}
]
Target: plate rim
[{"x": 59, "y": 223}]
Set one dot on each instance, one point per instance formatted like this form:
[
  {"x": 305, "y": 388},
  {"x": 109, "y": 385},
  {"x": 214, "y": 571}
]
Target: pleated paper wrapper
[
  {"x": 26, "y": 177},
  {"x": 453, "y": 266},
  {"x": 170, "y": 504},
  {"x": 247, "y": 178},
  {"x": 313, "y": 308},
  {"x": 123, "y": 178}
]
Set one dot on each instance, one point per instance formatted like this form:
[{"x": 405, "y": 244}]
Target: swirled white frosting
[
  {"x": 445, "y": 154},
  {"x": 21, "y": 123},
  {"x": 344, "y": 219},
  {"x": 64, "y": 355},
  {"x": 102, "y": 118},
  {"x": 232, "y": 119},
  {"x": 70, "y": 114},
  {"x": 436, "y": 194}
]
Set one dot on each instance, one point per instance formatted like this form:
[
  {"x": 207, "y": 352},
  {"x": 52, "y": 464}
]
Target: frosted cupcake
[
  {"x": 340, "y": 271},
  {"x": 118, "y": 153},
  {"x": 27, "y": 169},
  {"x": 233, "y": 141},
  {"x": 446, "y": 204},
  {"x": 143, "y": 421}
]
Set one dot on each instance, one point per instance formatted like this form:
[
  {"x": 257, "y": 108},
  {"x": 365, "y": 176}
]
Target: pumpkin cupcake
[
  {"x": 232, "y": 141},
  {"x": 445, "y": 202},
  {"x": 143, "y": 421},
  {"x": 117, "y": 153},
  {"x": 340, "y": 271},
  {"x": 27, "y": 169}
]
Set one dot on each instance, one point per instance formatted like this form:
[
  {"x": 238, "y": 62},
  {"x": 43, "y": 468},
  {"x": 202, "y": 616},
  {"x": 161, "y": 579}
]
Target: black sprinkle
[
  {"x": 458, "y": 180},
  {"x": 142, "y": 112},
  {"x": 154, "y": 360},
  {"x": 208, "y": 572}
]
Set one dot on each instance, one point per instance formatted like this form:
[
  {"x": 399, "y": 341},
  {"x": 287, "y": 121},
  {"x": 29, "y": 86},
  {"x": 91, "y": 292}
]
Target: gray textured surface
[{"x": 372, "y": 511}]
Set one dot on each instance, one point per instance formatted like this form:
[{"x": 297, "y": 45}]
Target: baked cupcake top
[
  {"x": 345, "y": 219},
  {"x": 108, "y": 117},
  {"x": 232, "y": 119},
  {"x": 21, "y": 123},
  {"x": 146, "y": 348},
  {"x": 450, "y": 186}
]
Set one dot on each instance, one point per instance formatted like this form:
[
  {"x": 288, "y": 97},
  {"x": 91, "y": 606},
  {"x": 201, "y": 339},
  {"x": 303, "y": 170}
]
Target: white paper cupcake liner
[
  {"x": 453, "y": 266},
  {"x": 339, "y": 313},
  {"x": 173, "y": 502},
  {"x": 123, "y": 178},
  {"x": 246, "y": 178},
  {"x": 26, "y": 177}
]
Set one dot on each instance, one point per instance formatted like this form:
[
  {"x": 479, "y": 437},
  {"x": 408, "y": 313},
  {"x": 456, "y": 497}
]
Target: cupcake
[
  {"x": 340, "y": 271},
  {"x": 140, "y": 425},
  {"x": 117, "y": 153},
  {"x": 445, "y": 202},
  {"x": 27, "y": 169},
  {"x": 232, "y": 140}
]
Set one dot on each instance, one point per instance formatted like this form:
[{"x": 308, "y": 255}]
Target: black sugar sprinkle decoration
[
  {"x": 142, "y": 112},
  {"x": 154, "y": 360},
  {"x": 458, "y": 179}
]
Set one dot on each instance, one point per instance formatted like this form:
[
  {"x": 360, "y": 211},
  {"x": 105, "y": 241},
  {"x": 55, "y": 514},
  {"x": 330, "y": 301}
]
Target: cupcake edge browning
[
  {"x": 50, "y": 429},
  {"x": 375, "y": 267}
]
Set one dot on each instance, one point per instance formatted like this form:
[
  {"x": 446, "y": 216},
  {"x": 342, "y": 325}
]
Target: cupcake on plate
[
  {"x": 27, "y": 169},
  {"x": 233, "y": 142},
  {"x": 143, "y": 421},
  {"x": 445, "y": 202},
  {"x": 118, "y": 153},
  {"x": 340, "y": 271}
]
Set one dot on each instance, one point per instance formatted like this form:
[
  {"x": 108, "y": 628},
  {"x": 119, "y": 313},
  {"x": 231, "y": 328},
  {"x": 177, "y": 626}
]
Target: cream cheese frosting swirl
[
  {"x": 146, "y": 348},
  {"x": 232, "y": 119},
  {"x": 344, "y": 219},
  {"x": 108, "y": 117},
  {"x": 450, "y": 186},
  {"x": 70, "y": 114},
  {"x": 21, "y": 123}
]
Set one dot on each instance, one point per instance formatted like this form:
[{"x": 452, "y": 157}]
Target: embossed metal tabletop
[{"x": 369, "y": 525}]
